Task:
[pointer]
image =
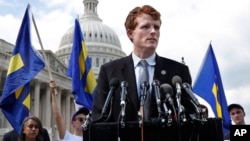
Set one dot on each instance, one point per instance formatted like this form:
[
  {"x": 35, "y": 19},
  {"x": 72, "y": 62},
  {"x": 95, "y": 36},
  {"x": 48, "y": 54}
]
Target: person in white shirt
[{"x": 77, "y": 119}]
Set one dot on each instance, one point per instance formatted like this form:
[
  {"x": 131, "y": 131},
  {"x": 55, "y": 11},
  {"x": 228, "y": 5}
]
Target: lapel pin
[{"x": 163, "y": 72}]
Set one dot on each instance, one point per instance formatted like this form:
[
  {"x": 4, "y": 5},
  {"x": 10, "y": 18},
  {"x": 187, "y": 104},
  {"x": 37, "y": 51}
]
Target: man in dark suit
[
  {"x": 13, "y": 136},
  {"x": 143, "y": 29}
]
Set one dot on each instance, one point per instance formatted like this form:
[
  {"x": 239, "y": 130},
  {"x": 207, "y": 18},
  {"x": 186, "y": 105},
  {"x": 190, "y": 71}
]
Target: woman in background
[{"x": 31, "y": 129}]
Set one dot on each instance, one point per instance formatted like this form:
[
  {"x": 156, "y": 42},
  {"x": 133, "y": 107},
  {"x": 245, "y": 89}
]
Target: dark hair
[
  {"x": 131, "y": 23},
  {"x": 82, "y": 110},
  {"x": 40, "y": 127}
]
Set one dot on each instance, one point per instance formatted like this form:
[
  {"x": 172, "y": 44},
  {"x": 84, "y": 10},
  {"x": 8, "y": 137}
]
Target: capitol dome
[{"x": 102, "y": 43}]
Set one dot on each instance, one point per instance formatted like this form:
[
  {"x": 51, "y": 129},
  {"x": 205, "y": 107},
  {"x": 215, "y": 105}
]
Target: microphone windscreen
[
  {"x": 114, "y": 82},
  {"x": 176, "y": 79},
  {"x": 166, "y": 88}
]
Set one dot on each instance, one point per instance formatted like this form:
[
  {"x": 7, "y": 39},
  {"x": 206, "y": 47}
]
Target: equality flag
[
  {"x": 24, "y": 65},
  {"x": 79, "y": 69},
  {"x": 209, "y": 87}
]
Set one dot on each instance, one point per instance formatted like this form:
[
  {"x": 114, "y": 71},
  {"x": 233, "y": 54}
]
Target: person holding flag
[
  {"x": 83, "y": 85},
  {"x": 77, "y": 119}
]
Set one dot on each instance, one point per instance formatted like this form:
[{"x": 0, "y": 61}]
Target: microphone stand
[
  {"x": 178, "y": 99},
  {"x": 110, "y": 110},
  {"x": 167, "y": 113},
  {"x": 123, "y": 115},
  {"x": 143, "y": 96},
  {"x": 104, "y": 117},
  {"x": 199, "y": 113},
  {"x": 141, "y": 115},
  {"x": 141, "y": 121},
  {"x": 156, "y": 90},
  {"x": 124, "y": 86},
  {"x": 181, "y": 116}
]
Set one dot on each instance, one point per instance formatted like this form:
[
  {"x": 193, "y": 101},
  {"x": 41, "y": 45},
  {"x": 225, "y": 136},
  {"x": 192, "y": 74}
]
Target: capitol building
[{"x": 103, "y": 46}]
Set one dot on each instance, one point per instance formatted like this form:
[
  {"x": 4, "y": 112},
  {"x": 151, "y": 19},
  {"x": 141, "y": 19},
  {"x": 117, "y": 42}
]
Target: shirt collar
[{"x": 150, "y": 60}]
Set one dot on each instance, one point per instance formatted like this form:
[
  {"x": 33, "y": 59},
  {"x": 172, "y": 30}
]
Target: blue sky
[{"x": 187, "y": 29}]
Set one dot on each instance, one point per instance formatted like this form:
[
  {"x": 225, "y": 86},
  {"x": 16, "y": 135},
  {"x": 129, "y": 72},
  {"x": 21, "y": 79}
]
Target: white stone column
[
  {"x": 36, "y": 95},
  {"x": 47, "y": 108}
]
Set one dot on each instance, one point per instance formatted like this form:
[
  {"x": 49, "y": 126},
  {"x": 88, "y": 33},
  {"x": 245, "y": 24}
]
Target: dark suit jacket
[
  {"x": 123, "y": 69},
  {"x": 13, "y": 136}
]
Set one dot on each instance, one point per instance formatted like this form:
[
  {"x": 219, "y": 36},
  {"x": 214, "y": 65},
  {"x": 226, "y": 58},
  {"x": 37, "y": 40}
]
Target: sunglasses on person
[{"x": 81, "y": 119}]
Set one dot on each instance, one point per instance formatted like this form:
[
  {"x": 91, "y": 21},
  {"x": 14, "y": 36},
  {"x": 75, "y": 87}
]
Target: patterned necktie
[{"x": 144, "y": 76}]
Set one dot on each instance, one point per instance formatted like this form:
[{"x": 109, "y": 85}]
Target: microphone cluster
[
  {"x": 169, "y": 105},
  {"x": 199, "y": 115},
  {"x": 173, "y": 108}
]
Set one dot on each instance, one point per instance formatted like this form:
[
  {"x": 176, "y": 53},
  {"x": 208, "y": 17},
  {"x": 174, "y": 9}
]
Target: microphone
[
  {"x": 193, "y": 99},
  {"x": 143, "y": 95},
  {"x": 114, "y": 83},
  {"x": 190, "y": 93},
  {"x": 176, "y": 81},
  {"x": 144, "y": 87},
  {"x": 124, "y": 85},
  {"x": 155, "y": 85},
  {"x": 166, "y": 94}
]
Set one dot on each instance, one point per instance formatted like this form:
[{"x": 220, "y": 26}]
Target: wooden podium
[{"x": 210, "y": 130}]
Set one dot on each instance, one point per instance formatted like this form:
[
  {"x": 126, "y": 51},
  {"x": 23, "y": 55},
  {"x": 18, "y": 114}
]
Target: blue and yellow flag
[
  {"x": 209, "y": 87},
  {"x": 79, "y": 69},
  {"x": 24, "y": 65}
]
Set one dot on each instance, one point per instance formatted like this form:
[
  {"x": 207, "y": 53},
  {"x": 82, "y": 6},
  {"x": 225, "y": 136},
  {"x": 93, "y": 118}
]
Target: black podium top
[{"x": 210, "y": 130}]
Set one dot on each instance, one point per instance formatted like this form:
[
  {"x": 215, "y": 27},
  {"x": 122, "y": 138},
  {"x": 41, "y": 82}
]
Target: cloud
[{"x": 8, "y": 28}]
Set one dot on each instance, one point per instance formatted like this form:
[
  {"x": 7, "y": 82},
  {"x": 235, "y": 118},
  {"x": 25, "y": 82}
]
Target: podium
[{"x": 210, "y": 130}]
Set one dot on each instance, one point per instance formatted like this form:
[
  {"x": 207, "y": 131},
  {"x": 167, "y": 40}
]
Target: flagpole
[{"x": 45, "y": 57}]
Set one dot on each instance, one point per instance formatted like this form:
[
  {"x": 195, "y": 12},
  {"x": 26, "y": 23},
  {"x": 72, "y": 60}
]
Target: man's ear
[{"x": 129, "y": 34}]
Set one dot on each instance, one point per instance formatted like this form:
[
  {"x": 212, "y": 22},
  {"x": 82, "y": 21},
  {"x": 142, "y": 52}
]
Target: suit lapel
[
  {"x": 161, "y": 73},
  {"x": 128, "y": 73}
]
